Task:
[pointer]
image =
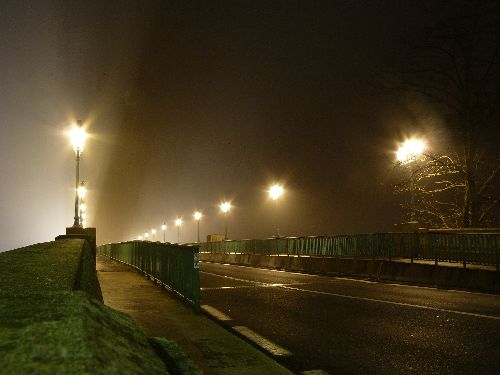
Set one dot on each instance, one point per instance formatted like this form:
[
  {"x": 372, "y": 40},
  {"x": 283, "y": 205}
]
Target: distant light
[
  {"x": 153, "y": 231},
  {"x": 225, "y": 207},
  {"x": 146, "y": 235},
  {"x": 82, "y": 191},
  {"x": 197, "y": 215},
  {"x": 78, "y": 135},
  {"x": 83, "y": 207},
  {"x": 276, "y": 191},
  {"x": 178, "y": 221},
  {"x": 410, "y": 150},
  {"x": 140, "y": 238},
  {"x": 164, "y": 226}
]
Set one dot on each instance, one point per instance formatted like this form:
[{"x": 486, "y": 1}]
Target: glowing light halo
[
  {"x": 225, "y": 207},
  {"x": 409, "y": 150},
  {"x": 276, "y": 191},
  {"x": 78, "y": 136},
  {"x": 82, "y": 191}
]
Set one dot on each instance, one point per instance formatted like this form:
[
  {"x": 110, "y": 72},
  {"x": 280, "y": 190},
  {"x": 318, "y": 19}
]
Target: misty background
[{"x": 190, "y": 103}]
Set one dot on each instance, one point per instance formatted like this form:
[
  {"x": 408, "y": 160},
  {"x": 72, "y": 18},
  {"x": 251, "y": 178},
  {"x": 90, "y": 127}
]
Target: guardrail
[
  {"x": 175, "y": 266},
  {"x": 476, "y": 248}
]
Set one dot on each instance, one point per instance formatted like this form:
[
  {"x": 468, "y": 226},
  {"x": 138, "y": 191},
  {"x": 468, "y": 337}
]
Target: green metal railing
[
  {"x": 175, "y": 266},
  {"x": 476, "y": 248}
]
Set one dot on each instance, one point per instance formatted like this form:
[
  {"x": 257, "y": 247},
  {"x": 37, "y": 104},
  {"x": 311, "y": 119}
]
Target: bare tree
[{"x": 456, "y": 68}]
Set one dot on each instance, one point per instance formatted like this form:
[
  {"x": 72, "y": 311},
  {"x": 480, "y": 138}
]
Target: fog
[{"x": 190, "y": 103}]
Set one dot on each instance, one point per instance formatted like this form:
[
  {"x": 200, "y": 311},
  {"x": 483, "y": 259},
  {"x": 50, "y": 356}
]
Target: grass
[
  {"x": 70, "y": 333},
  {"x": 53, "y": 321}
]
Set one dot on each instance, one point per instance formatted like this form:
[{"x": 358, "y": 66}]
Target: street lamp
[
  {"x": 225, "y": 207},
  {"x": 178, "y": 222},
  {"x": 153, "y": 233},
  {"x": 140, "y": 238},
  {"x": 408, "y": 153},
  {"x": 197, "y": 216},
  {"x": 83, "y": 213},
  {"x": 77, "y": 136},
  {"x": 275, "y": 192},
  {"x": 82, "y": 191},
  {"x": 146, "y": 235},
  {"x": 164, "y": 228},
  {"x": 410, "y": 150}
]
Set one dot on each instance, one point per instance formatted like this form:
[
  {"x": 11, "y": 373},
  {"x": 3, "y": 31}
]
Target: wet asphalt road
[{"x": 346, "y": 326}]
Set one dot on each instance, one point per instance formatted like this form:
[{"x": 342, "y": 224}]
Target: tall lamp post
[
  {"x": 82, "y": 191},
  {"x": 225, "y": 207},
  {"x": 407, "y": 154},
  {"x": 164, "y": 228},
  {"x": 178, "y": 222},
  {"x": 153, "y": 234},
  {"x": 197, "y": 216},
  {"x": 78, "y": 136},
  {"x": 275, "y": 192}
]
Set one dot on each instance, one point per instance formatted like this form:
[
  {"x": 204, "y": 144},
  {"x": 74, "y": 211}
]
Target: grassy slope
[
  {"x": 48, "y": 328},
  {"x": 41, "y": 267}
]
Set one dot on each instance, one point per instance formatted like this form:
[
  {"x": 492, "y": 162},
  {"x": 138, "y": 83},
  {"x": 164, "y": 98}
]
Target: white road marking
[
  {"x": 234, "y": 278},
  {"x": 263, "y": 269},
  {"x": 384, "y": 282},
  {"x": 392, "y": 302},
  {"x": 366, "y": 281},
  {"x": 228, "y": 287},
  {"x": 289, "y": 286},
  {"x": 264, "y": 343},
  {"x": 216, "y": 313}
]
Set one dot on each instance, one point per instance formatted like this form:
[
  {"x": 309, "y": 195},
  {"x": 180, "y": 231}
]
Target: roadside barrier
[
  {"x": 475, "y": 248},
  {"x": 175, "y": 266}
]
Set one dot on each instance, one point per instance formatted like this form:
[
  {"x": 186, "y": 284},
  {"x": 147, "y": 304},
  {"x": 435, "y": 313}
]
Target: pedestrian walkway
[{"x": 158, "y": 313}]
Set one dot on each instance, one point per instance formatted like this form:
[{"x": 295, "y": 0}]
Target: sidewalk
[{"x": 158, "y": 313}]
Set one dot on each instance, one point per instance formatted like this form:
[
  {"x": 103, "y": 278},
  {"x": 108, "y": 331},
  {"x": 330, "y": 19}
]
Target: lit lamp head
[
  {"x": 410, "y": 150},
  {"x": 78, "y": 135},
  {"x": 197, "y": 215},
  {"x": 140, "y": 238},
  {"x": 275, "y": 191},
  {"x": 225, "y": 207},
  {"x": 178, "y": 221},
  {"x": 164, "y": 226},
  {"x": 146, "y": 235},
  {"x": 153, "y": 231},
  {"x": 82, "y": 191}
]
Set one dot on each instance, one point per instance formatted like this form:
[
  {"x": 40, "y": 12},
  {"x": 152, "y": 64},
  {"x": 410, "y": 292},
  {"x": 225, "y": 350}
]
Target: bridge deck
[{"x": 158, "y": 313}]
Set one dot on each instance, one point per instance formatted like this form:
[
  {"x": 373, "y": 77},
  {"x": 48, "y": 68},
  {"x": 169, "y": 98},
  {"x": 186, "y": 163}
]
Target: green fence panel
[
  {"x": 175, "y": 266},
  {"x": 477, "y": 248}
]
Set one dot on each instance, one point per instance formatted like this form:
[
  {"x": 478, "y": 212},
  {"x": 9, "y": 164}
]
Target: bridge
[{"x": 232, "y": 307}]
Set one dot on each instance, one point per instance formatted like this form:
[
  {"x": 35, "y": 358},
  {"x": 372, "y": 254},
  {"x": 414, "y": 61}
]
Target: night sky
[{"x": 189, "y": 103}]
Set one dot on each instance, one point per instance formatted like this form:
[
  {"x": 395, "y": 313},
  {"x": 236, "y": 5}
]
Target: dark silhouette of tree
[{"x": 455, "y": 68}]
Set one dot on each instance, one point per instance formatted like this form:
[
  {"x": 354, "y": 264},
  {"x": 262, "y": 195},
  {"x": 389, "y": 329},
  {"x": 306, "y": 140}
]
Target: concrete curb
[{"x": 380, "y": 270}]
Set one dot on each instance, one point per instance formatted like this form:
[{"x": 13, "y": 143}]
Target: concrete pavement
[{"x": 158, "y": 313}]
